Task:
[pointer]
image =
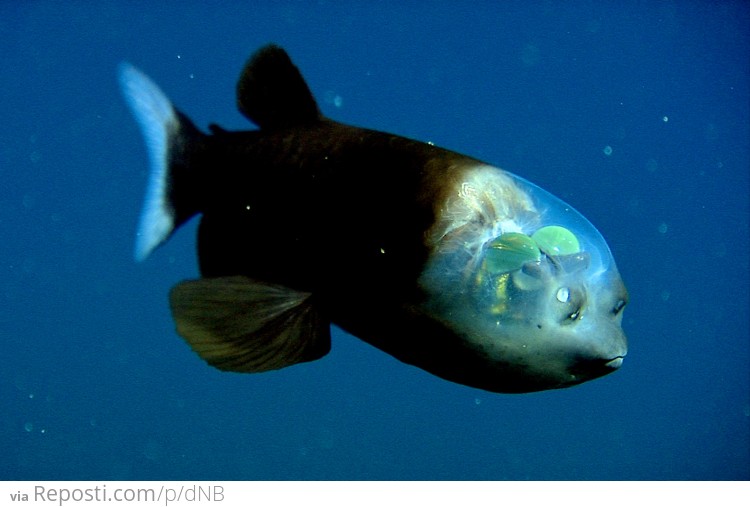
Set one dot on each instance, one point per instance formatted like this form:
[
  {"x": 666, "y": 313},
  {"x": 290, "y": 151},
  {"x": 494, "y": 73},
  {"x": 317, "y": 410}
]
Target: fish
[{"x": 441, "y": 260}]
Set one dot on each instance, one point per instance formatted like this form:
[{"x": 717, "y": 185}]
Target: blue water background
[{"x": 94, "y": 382}]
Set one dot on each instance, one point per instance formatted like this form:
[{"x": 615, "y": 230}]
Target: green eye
[
  {"x": 556, "y": 240},
  {"x": 510, "y": 251}
]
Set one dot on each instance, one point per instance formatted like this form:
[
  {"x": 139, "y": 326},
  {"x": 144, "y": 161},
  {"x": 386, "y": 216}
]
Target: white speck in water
[
  {"x": 28, "y": 201},
  {"x": 607, "y": 150},
  {"x": 334, "y": 99},
  {"x": 720, "y": 249},
  {"x": 665, "y": 119},
  {"x": 28, "y": 427},
  {"x": 152, "y": 450}
]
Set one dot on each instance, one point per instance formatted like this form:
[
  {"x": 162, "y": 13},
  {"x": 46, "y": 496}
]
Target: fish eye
[
  {"x": 573, "y": 301},
  {"x": 619, "y": 306}
]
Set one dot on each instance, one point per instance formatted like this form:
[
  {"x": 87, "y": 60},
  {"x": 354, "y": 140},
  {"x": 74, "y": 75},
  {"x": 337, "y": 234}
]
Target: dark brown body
[
  {"x": 345, "y": 214},
  {"x": 307, "y": 222}
]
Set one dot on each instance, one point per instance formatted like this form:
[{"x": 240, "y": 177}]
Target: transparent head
[{"x": 525, "y": 279}]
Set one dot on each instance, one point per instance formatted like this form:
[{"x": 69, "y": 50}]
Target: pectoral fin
[{"x": 243, "y": 325}]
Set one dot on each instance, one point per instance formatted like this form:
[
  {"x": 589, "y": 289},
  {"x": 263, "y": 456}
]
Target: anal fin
[{"x": 243, "y": 325}]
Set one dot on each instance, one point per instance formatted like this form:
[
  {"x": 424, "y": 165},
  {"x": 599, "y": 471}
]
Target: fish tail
[{"x": 172, "y": 142}]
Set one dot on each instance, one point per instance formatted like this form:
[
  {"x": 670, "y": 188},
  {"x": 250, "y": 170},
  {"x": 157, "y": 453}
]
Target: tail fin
[{"x": 170, "y": 138}]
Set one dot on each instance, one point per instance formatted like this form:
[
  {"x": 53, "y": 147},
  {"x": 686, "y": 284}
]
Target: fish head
[{"x": 526, "y": 282}]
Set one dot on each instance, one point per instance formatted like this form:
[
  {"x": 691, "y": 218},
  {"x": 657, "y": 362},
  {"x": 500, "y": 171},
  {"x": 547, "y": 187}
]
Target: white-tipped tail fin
[{"x": 158, "y": 121}]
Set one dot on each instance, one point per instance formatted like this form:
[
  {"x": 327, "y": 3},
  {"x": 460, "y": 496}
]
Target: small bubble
[
  {"x": 333, "y": 98},
  {"x": 607, "y": 150},
  {"x": 28, "y": 427},
  {"x": 477, "y": 401},
  {"x": 662, "y": 228},
  {"x": 152, "y": 450},
  {"x": 28, "y": 201},
  {"x": 665, "y": 119},
  {"x": 29, "y": 266},
  {"x": 530, "y": 55},
  {"x": 665, "y": 295},
  {"x": 712, "y": 132},
  {"x": 720, "y": 249},
  {"x": 651, "y": 165}
]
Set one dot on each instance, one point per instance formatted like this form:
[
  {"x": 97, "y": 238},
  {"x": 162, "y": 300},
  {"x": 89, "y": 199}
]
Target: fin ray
[
  {"x": 242, "y": 325},
  {"x": 157, "y": 118},
  {"x": 171, "y": 141}
]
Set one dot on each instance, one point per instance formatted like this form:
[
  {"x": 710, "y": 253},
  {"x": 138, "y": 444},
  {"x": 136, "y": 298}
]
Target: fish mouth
[
  {"x": 595, "y": 368},
  {"x": 614, "y": 363}
]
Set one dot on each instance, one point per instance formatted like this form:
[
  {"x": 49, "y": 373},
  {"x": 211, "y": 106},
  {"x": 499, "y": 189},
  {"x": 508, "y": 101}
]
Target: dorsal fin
[{"x": 272, "y": 93}]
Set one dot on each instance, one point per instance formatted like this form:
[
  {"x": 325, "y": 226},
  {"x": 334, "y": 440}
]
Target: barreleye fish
[{"x": 439, "y": 259}]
